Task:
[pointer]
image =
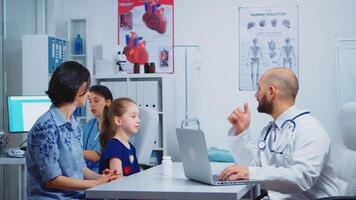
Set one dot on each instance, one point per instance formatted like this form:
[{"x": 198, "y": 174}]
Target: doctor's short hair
[
  {"x": 66, "y": 81},
  {"x": 102, "y": 91}
]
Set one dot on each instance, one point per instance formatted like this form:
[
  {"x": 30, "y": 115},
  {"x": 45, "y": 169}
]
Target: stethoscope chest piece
[{"x": 261, "y": 144}]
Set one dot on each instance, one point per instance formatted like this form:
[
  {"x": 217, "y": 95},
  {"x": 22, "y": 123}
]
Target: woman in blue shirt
[
  {"x": 120, "y": 121},
  {"x": 55, "y": 164},
  {"x": 99, "y": 97}
]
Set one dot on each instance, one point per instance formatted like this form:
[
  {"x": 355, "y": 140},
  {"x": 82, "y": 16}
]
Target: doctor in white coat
[{"x": 291, "y": 156}]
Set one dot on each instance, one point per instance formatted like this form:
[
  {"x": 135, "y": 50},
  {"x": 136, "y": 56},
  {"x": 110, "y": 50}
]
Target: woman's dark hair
[
  {"x": 107, "y": 125},
  {"x": 102, "y": 91},
  {"x": 66, "y": 81}
]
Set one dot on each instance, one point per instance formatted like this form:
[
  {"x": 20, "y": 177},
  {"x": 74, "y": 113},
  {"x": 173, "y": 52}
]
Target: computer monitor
[{"x": 23, "y": 111}]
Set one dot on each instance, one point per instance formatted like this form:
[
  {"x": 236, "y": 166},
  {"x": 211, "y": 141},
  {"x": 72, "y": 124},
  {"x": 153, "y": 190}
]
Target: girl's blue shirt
[{"x": 115, "y": 149}]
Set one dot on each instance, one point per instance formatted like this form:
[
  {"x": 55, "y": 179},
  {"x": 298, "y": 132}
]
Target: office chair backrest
[
  {"x": 146, "y": 139},
  {"x": 347, "y": 128},
  {"x": 347, "y": 125},
  {"x": 343, "y": 149}
]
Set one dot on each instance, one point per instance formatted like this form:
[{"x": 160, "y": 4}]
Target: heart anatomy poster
[
  {"x": 145, "y": 32},
  {"x": 268, "y": 37}
]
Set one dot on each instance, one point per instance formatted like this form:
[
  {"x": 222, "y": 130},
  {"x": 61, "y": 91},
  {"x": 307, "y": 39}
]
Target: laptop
[{"x": 196, "y": 164}]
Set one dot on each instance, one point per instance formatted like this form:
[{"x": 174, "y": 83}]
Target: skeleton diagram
[
  {"x": 272, "y": 48},
  {"x": 255, "y": 59},
  {"x": 287, "y": 55}
]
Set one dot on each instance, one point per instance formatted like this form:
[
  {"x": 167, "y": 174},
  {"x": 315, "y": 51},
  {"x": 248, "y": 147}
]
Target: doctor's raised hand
[{"x": 240, "y": 119}]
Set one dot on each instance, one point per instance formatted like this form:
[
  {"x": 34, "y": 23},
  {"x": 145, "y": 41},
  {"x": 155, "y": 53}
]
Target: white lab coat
[{"x": 303, "y": 171}]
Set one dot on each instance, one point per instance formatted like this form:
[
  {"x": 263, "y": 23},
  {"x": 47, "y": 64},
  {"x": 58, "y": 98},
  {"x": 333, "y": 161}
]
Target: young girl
[{"x": 120, "y": 121}]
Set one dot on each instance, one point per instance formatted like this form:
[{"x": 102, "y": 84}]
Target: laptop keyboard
[
  {"x": 223, "y": 182},
  {"x": 227, "y": 182}
]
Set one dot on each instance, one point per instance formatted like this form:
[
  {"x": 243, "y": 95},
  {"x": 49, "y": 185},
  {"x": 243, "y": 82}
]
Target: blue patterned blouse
[{"x": 54, "y": 149}]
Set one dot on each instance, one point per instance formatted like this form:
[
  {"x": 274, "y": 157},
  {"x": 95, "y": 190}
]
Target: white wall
[
  {"x": 214, "y": 26},
  {"x": 101, "y": 17}
]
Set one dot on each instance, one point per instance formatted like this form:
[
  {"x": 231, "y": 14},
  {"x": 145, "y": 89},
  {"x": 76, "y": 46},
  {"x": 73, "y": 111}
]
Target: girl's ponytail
[{"x": 106, "y": 131}]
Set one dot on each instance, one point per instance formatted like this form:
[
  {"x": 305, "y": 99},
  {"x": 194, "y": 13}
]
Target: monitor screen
[{"x": 23, "y": 111}]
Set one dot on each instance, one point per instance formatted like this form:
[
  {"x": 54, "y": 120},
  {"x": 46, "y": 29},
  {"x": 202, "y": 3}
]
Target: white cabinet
[
  {"x": 78, "y": 40},
  {"x": 41, "y": 55},
  {"x": 77, "y": 35},
  {"x": 148, "y": 90}
]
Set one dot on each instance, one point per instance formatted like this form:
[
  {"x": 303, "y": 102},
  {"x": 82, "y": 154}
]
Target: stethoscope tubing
[{"x": 262, "y": 143}]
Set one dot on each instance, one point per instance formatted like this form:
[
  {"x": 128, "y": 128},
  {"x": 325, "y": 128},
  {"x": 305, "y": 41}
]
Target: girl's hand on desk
[
  {"x": 112, "y": 173},
  {"x": 105, "y": 178}
]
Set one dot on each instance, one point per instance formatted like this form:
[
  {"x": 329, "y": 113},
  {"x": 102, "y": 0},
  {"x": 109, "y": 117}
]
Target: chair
[
  {"x": 146, "y": 139},
  {"x": 344, "y": 154}
]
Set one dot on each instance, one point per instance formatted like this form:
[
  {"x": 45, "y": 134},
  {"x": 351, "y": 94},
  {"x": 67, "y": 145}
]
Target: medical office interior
[{"x": 204, "y": 81}]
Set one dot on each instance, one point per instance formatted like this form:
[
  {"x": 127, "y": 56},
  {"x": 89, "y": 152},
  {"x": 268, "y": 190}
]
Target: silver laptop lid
[{"x": 194, "y": 155}]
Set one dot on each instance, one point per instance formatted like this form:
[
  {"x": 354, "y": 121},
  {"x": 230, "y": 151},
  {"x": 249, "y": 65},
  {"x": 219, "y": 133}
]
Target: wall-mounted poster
[
  {"x": 268, "y": 37},
  {"x": 145, "y": 32}
]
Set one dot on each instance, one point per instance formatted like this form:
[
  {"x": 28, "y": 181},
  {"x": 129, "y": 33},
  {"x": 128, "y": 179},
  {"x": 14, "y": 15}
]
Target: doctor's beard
[{"x": 265, "y": 106}]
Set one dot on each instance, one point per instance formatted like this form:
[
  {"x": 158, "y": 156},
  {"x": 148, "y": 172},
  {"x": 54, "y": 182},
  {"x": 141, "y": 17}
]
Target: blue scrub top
[
  {"x": 91, "y": 141},
  {"x": 54, "y": 149}
]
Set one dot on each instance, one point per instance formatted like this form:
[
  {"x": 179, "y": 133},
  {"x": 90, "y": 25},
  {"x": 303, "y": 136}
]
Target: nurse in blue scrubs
[{"x": 99, "y": 97}]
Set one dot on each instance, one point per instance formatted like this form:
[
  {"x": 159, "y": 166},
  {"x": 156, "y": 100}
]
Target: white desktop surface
[
  {"x": 151, "y": 184},
  {"x": 12, "y": 161}
]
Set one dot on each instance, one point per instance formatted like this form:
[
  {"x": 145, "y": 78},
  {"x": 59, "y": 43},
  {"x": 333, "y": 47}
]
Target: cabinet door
[
  {"x": 118, "y": 89},
  {"x": 346, "y": 71}
]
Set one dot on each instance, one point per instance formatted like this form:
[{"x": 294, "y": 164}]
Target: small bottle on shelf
[
  {"x": 136, "y": 68},
  {"x": 152, "y": 68},
  {"x": 78, "y": 45},
  {"x": 147, "y": 68}
]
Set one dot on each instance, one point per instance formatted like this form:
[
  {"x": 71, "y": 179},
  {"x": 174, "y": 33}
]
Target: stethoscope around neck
[{"x": 262, "y": 143}]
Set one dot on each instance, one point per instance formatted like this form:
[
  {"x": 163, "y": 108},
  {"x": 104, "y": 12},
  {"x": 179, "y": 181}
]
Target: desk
[
  {"x": 21, "y": 190},
  {"x": 151, "y": 184}
]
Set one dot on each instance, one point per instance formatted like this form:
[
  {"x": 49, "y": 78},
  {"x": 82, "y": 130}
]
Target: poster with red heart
[{"x": 145, "y": 32}]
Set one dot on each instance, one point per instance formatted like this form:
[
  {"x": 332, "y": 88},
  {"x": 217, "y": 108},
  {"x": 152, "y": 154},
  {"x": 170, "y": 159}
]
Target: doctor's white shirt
[{"x": 302, "y": 171}]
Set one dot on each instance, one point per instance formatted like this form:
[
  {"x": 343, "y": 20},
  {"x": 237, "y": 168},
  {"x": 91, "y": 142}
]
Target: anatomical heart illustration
[
  {"x": 135, "y": 50},
  {"x": 145, "y": 33},
  {"x": 154, "y": 17}
]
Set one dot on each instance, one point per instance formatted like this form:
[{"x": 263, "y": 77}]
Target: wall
[
  {"x": 213, "y": 25},
  {"x": 101, "y": 16},
  {"x": 220, "y": 72},
  {"x": 19, "y": 19}
]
